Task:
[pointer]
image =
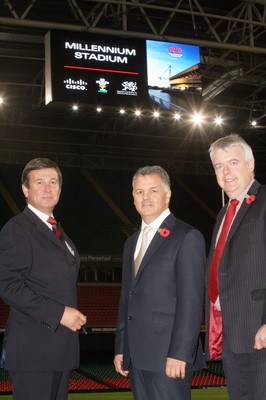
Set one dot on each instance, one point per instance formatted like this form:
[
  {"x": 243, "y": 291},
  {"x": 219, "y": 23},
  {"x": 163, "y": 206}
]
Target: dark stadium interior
[
  {"x": 99, "y": 152},
  {"x": 110, "y": 147}
]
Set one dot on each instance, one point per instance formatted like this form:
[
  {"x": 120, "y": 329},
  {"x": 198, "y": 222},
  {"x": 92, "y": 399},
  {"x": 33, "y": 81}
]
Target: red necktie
[
  {"x": 213, "y": 278},
  {"x": 56, "y": 228}
]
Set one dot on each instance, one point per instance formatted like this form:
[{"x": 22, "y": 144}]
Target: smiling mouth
[{"x": 229, "y": 180}]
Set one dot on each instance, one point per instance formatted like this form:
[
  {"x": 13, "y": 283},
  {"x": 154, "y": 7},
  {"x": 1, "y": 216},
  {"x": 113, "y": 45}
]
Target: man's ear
[
  {"x": 251, "y": 165},
  {"x": 25, "y": 190},
  {"x": 168, "y": 196}
]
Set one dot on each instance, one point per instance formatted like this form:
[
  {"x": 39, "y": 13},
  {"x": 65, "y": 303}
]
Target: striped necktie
[{"x": 56, "y": 228}]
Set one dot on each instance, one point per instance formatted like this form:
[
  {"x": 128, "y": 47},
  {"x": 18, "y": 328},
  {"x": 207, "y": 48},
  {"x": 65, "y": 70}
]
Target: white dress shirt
[{"x": 155, "y": 226}]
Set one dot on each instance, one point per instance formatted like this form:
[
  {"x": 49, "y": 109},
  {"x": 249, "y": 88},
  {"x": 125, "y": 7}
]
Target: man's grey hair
[
  {"x": 154, "y": 169},
  {"x": 232, "y": 140}
]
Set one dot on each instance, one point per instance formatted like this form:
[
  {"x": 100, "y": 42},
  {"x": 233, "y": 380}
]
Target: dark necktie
[
  {"x": 56, "y": 228},
  {"x": 213, "y": 278},
  {"x": 143, "y": 247}
]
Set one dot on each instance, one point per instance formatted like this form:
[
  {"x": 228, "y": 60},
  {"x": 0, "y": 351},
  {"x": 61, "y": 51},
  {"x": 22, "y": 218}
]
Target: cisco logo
[{"x": 71, "y": 84}]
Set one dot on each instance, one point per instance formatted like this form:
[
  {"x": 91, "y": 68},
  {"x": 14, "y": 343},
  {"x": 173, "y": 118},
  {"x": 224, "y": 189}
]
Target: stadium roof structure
[{"x": 232, "y": 39}]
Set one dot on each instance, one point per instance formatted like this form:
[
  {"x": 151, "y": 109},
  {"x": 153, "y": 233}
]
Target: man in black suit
[
  {"x": 38, "y": 273},
  {"x": 160, "y": 314},
  {"x": 236, "y": 315}
]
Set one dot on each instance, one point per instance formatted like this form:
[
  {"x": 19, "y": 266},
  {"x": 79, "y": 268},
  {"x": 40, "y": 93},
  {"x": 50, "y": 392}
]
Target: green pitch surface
[{"x": 197, "y": 394}]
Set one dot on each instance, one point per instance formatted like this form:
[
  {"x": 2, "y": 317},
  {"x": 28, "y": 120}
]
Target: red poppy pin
[
  {"x": 250, "y": 198},
  {"x": 164, "y": 232}
]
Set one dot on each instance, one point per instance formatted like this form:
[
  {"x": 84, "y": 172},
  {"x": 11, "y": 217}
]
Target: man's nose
[
  {"x": 47, "y": 186},
  {"x": 226, "y": 169},
  {"x": 146, "y": 195}
]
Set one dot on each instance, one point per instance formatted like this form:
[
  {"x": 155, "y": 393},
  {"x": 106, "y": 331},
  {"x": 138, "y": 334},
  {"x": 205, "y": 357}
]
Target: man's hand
[
  {"x": 260, "y": 338},
  {"x": 73, "y": 319},
  {"x": 118, "y": 362},
  {"x": 175, "y": 368}
]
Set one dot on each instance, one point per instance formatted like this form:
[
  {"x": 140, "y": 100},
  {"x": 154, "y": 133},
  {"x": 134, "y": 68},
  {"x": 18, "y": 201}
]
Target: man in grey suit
[
  {"x": 38, "y": 273},
  {"x": 236, "y": 315},
  {"x": 160, "y": 314}
]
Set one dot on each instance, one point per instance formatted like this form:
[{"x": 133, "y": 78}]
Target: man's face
[
  {"x": 44, "y": 191},
  {"x": 233, "y": 172},
  {"x": 150, "y": 199}
]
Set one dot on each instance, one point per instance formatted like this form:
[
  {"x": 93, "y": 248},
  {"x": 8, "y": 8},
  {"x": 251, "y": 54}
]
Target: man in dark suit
[
  {"x": 160, "y": 314},
  {"x": 38, "y": 273},
  {"x": 236, "y": 315}
]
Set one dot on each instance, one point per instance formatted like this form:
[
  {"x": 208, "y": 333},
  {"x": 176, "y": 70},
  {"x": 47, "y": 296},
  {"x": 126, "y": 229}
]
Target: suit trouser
[
  {"x": 148, "y": 385},
  {"x": 245, "y": 374},
  {"x": 44, "y": 385}
]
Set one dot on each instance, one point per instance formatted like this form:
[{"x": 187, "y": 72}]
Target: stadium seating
[
  {"x": 4, "y": 311},
  {"x": 96, "y": 373},
  {"x": 100, "y": 304}
]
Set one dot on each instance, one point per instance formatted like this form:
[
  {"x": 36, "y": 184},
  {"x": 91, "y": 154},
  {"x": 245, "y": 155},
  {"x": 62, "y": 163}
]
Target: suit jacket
[
  {"x": 160, "y": 309},
  {"x": 37, "y": 280},
  {"x": 242, "y": 274}
]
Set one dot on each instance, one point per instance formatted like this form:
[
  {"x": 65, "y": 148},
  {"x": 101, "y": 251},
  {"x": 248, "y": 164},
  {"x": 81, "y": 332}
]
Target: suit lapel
[
  {"x": 239, "y": 216},
  {"x": 242, "y": 211},
  {"x": 156, "y": 242},
  {"x": 131, "y": 254},
  {"x": 44, "y": 230}
]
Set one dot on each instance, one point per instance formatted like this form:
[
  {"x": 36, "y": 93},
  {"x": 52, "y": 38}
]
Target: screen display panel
[{"x": 95, "y": 69}]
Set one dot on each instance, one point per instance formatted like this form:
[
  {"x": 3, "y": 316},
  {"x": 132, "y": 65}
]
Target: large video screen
[
  {"x": 95, "y": 69},
  {"x": 92, "y": 69},
  {"x": 173, "y": 73}
]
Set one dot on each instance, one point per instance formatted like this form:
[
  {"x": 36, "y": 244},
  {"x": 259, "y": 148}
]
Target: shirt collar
[
  {"x": 40, "y": 214},
  {"x": 242, "y": 195},
  {"x": 158, "y": 221}
]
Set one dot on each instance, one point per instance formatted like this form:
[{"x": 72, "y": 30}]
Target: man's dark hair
[{"x": 40, "y": 163}]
